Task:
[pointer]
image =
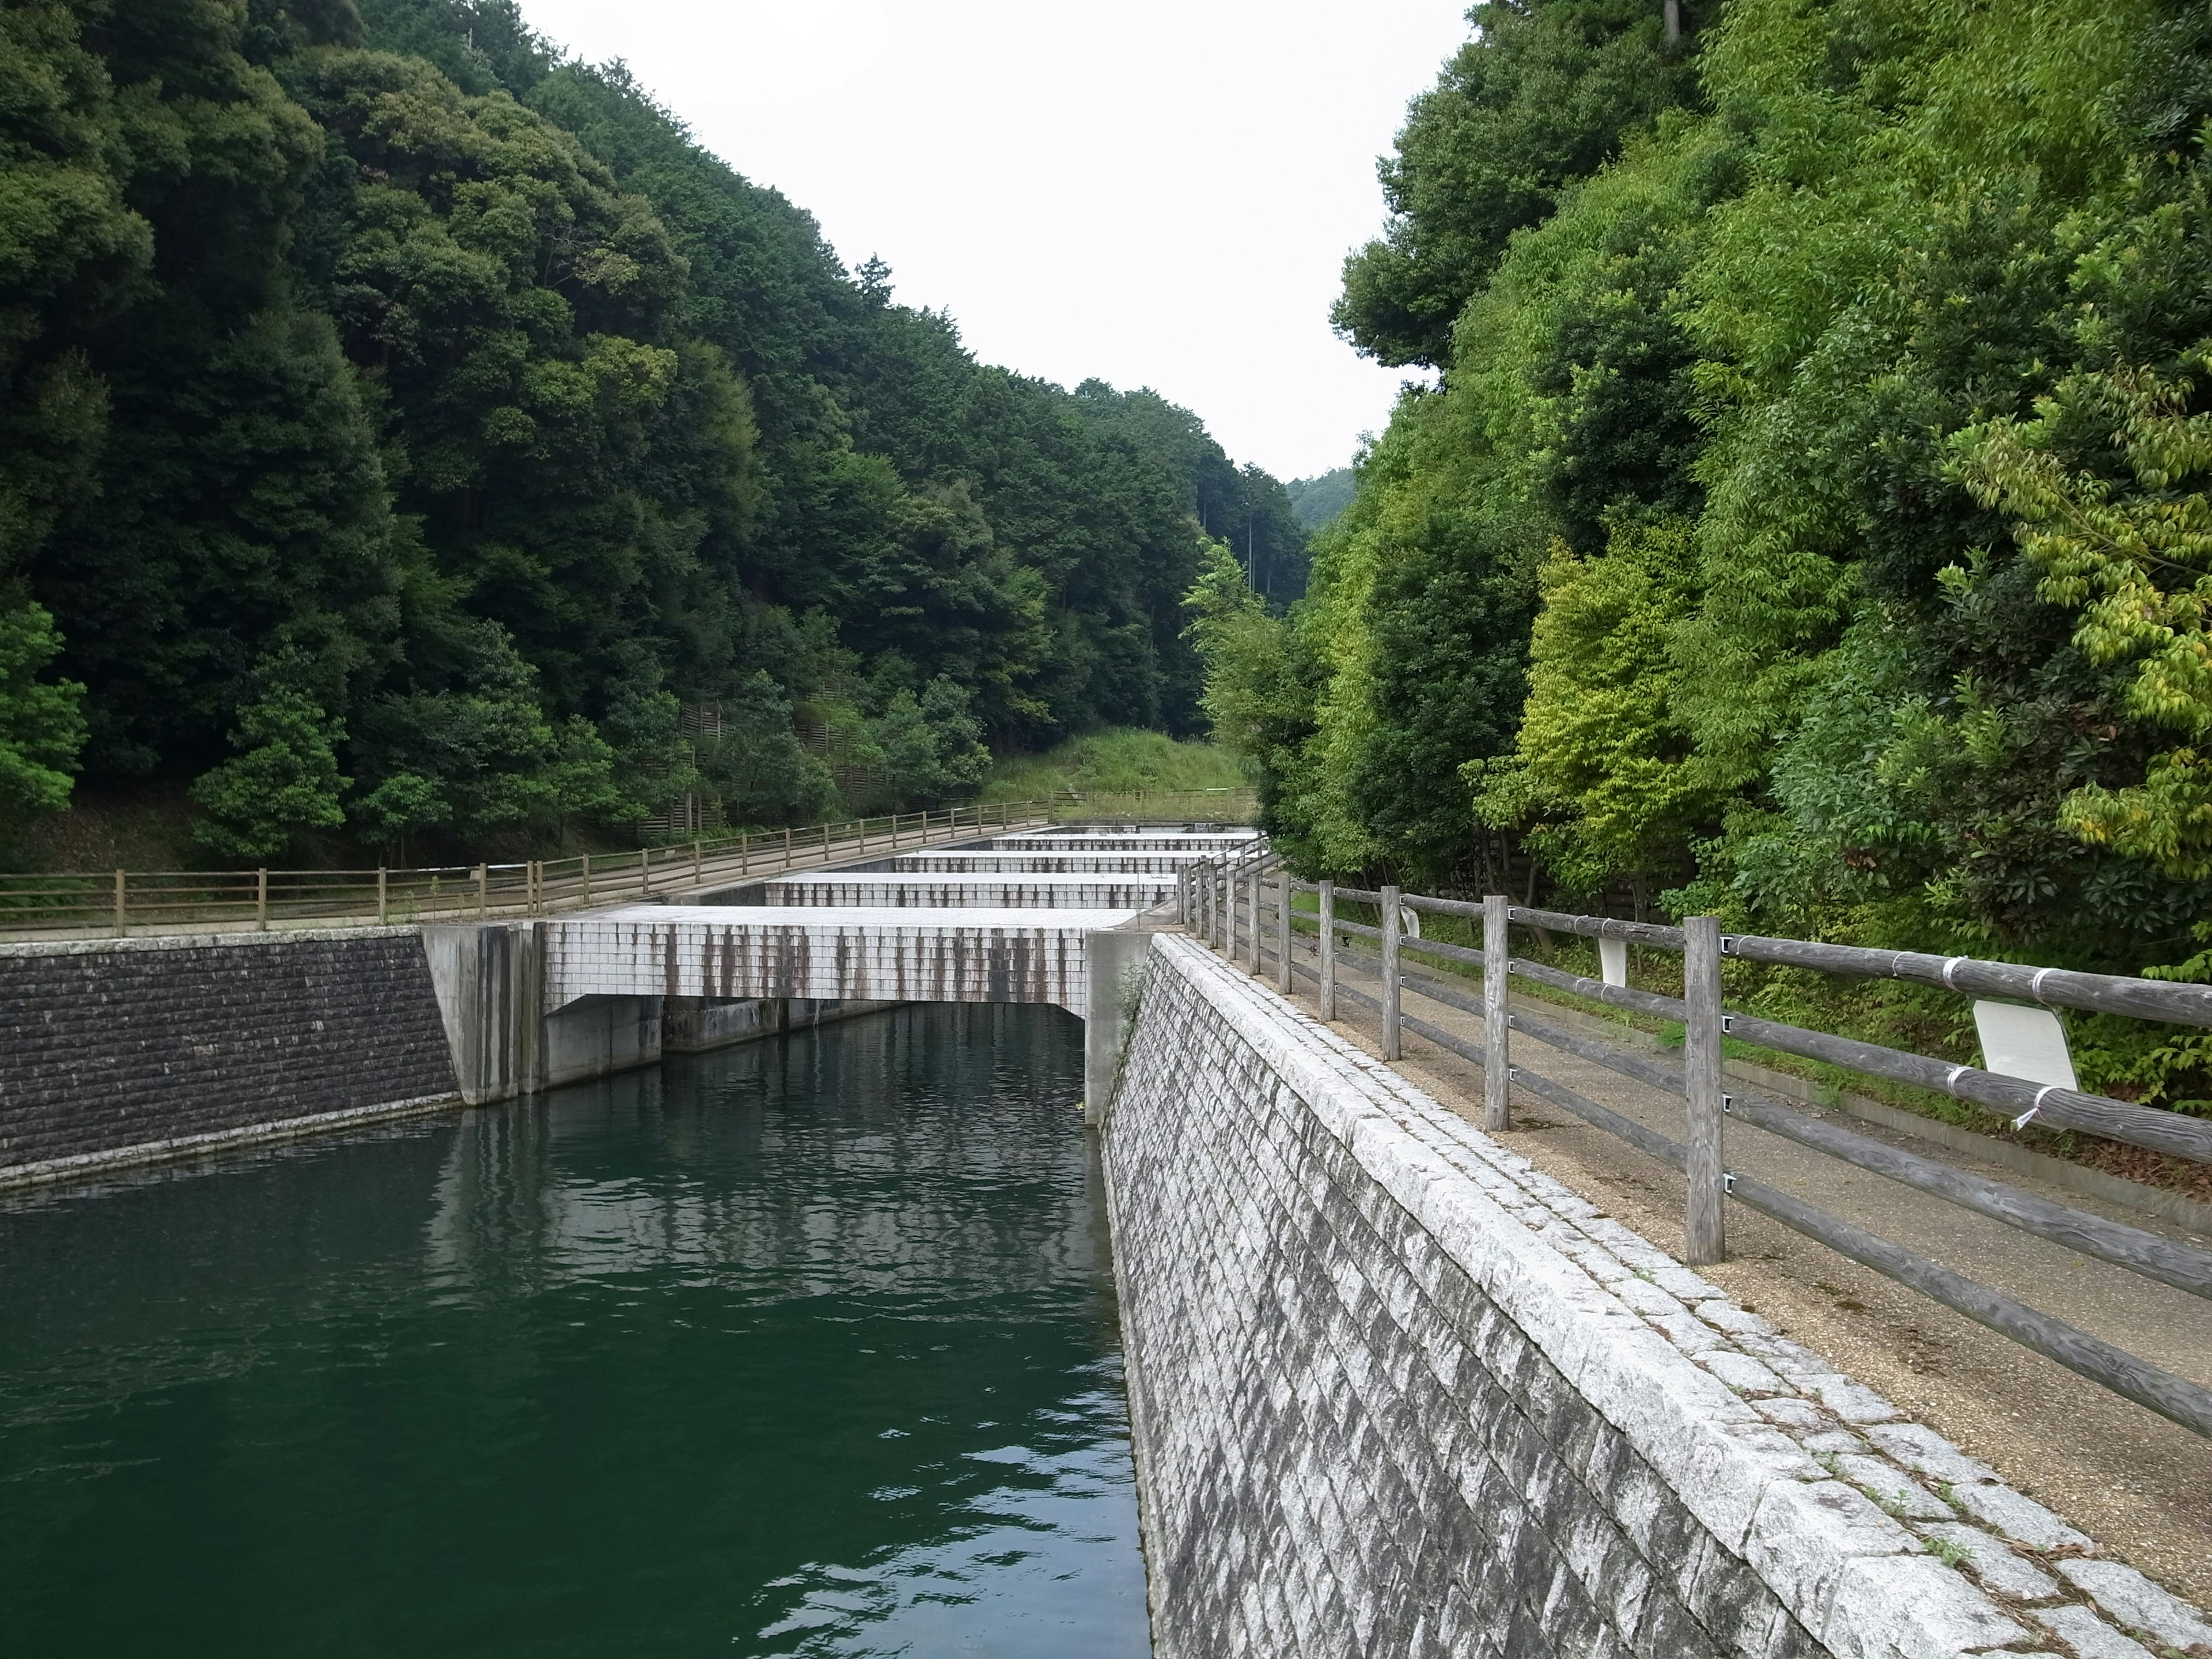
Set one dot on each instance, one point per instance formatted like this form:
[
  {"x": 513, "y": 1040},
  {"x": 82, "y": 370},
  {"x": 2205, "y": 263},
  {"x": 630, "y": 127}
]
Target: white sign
[
  {"x": 1613, "y": 960},
  {"x": 2024, "y": 1043}
]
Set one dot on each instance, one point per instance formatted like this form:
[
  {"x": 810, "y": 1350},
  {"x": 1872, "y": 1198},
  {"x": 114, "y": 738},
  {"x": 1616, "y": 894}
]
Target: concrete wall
[
  {"x": 884, "y": 954},
  {"x": 1038, "y": 863},
  {"x": 1395, "y": 1391},
  {"x": 868, "y": 891},
  {"x": 131, "y": 1049},
  {"x": 128, "y": 1051}
]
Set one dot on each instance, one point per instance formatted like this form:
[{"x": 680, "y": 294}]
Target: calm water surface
[{"x": 805, "y": 1348}]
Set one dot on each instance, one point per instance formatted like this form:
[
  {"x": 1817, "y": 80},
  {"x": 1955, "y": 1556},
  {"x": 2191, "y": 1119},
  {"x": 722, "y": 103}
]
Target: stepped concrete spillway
[
  {"x": 866, "y": 888},
  {"x": 531, "y": 1005},
  {"x": 1213, "y": 844},
  {"x": 1002, "y": 861},
  {"x": 882, "y": 953}
]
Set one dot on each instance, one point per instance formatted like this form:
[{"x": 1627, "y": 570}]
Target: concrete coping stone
[{"x": 287, "y": 934}]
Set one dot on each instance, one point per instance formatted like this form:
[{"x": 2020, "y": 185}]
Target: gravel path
[{"x": 2140, "y": 1485}]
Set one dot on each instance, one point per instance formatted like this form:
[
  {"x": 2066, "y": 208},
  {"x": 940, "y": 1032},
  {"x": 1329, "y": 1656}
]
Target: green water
[{"x": 807, "y": 1348}]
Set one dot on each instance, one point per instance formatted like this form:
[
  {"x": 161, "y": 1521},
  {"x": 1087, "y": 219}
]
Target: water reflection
[{"x": 807, "y": 1348}]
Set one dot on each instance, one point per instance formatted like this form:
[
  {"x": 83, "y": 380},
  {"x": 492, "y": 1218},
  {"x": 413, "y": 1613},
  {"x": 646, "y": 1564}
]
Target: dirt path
[{"x": 2140, "y": 1485}]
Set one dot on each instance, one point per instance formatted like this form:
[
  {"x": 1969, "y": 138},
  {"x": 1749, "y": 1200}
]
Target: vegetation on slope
[
  {"x": 1810, "y": 525},
  {"x": 402, "y": 427},
  {"x": 1123, "y": 761}
]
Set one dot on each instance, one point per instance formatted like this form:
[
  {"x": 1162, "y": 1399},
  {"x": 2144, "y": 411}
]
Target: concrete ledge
[
  {"x": 183, "y": 1147},
  {"x": 203, "y": 940}
]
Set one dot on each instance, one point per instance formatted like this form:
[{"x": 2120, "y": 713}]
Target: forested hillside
[
  {"x": 399, "y": 425},
  {"x": 1318, "y": 502},
  {"x": 1811, "y": 524}
]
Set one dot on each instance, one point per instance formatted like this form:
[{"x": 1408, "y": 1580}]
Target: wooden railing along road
[
  {"x": 1226, "y": 902},
  {"x": 121, "y": 903}
]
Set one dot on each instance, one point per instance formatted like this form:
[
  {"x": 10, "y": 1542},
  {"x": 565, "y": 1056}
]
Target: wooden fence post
[
  {"x": 698, "y": 865},
  {"x": 825, "y": 843},
  {"x": 1228, "y": 914},
  {"x": 1705, "y": 1228},
  {"x": 1497, "y": 1063},
  {"x": 1255, "y": 916},
  {"x": 1328, "y": 951},
  {"x": 786, "y": 847},
  {"x": 122, "y": 905},
  {"x": 483, "y": 889},
  {"x": 587, "y": 878},
  {"x": 645, "y": 869},
  {"x": 745, "y": 852},
  {"x": 383, "y": 895},
  {"x": 261, "y": 902},
  {"x": 1391, "y": 1046},
  {"x": 1283, "y": 935}
]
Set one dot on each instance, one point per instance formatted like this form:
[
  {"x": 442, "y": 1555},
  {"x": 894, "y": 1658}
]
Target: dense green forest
[
  {"x": 1809, "y": 522},
  {"x": 401, "y": 426}
]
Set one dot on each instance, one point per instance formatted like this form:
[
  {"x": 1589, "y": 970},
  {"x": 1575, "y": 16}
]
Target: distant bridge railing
[
  {"x": 120, "y": 903},
  {"x": 1224, "y": 901}
]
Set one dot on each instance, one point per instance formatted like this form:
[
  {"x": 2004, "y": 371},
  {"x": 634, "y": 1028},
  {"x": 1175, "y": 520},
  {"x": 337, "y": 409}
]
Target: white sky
[{"x": 1160, "y": 193}]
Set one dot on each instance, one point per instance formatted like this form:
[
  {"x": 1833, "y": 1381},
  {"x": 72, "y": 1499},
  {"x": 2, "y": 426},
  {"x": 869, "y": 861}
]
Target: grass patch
[
  {"x": 150, "y": 828},
  {"x": 1119, "y": 761}
]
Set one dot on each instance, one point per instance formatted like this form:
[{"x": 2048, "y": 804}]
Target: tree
[
  {"x": 283, "y": 783},
  {"x": 1543, "y": 95},
  {"x": 41, "y": 721}
]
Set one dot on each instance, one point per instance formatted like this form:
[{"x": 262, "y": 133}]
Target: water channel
[{"x": 804, "y": 1348}]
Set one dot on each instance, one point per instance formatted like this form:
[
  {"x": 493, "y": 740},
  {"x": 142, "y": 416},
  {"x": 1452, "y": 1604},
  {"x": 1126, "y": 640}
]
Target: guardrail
[
  {"x": 1208, "y": 900},
  {"x": 120, "y": 903}
]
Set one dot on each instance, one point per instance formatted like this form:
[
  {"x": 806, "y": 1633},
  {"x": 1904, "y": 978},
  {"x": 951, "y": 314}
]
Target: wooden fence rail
[
  {"x": 122, "y": 902},
  {"x": 1208, "y": 900}
]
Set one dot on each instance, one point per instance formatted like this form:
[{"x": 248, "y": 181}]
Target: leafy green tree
[
  {"x": 41, "y": 721},
  {"x": 1602, "y": 778},
  {"x": 2133, "y": 555},
  {"x": 283, "y": 783},
  {"x": 1542, "y": 96},
  {"x": 1259, "y": 691},
  {"x": 932, "y": 745},
  {"x": 474, "y": 751},
  {"x": 759, "y": 768}
]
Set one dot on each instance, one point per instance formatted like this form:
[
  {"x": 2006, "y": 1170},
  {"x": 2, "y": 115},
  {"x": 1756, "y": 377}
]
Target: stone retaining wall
[
  {"x": 1395, "y": 1391},
  {"x": 142, "y": 1046}
]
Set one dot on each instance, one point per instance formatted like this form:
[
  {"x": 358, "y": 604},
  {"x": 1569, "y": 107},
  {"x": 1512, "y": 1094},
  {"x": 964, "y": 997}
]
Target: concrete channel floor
[{"x": 2141, "y": 1485}]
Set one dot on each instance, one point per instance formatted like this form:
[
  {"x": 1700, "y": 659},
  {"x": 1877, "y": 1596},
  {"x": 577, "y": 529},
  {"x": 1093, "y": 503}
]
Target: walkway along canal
[{"x": 1392, "y": 1389}]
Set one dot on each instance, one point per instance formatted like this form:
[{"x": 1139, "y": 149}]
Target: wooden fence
[
  {"x": 1226, "y": 901},
  {"x": 120, "y": 903}
]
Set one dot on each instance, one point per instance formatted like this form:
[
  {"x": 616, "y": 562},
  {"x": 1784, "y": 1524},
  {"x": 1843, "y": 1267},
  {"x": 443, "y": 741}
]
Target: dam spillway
[{"x": 1392, "y": 1390}]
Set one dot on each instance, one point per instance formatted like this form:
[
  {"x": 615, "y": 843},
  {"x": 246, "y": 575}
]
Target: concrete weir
[
  {"x": 862, "y": 889},
  {"x": 529, "y": 1006}
]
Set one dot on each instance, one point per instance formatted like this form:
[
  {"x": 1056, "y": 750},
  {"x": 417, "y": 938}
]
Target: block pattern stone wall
[
  {"x": 108, "y": 1045},
  {"x": 1395, "y": 1391}
]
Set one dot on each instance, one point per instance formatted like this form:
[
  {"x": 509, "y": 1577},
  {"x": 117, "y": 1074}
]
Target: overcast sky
[{"x": 1160, "y": 193}]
